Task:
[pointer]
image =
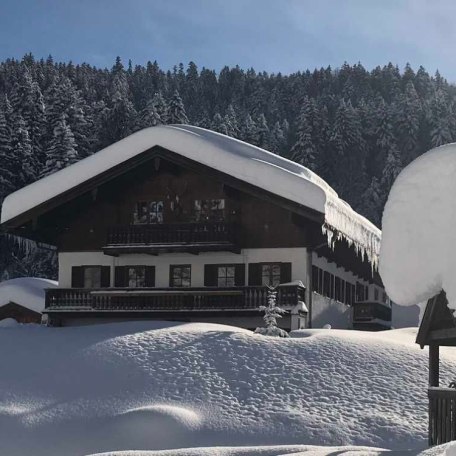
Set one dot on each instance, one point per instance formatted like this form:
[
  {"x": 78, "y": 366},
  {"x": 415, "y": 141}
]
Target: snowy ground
[{"x": 154, "y": 386}]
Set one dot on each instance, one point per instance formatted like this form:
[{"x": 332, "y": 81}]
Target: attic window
[
  {"x": 209, "y": 210},
  {"x": 148, "y": 212}
]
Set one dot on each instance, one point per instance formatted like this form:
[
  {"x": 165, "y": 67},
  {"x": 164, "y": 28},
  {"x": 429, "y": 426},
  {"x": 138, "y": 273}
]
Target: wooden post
[
  {"x": 433, "y": 364},
  {"x": 309, "y": 286}
]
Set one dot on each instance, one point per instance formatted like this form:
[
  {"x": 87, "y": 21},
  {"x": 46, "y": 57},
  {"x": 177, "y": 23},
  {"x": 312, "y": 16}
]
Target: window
[
  {"x": 136, "y": 276},
  {"x": 180, "y": 276},
  {"x": 270, "y": 274},
  {"x": 148, "y": 212},
  {"x": 225, "y": 276},
  {"x": 90, "y": 276},
  {"x": 375, "y": 294},
  {"x": 209, "y": 210}
]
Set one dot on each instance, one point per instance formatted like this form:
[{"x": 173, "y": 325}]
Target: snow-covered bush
[{"x": 271, "y": 313}]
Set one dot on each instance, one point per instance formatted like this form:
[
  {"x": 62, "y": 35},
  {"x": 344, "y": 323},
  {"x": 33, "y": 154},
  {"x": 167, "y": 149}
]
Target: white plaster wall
[
  {"x": 297, "y": 256},
  {"x": 329, "y": 311}
]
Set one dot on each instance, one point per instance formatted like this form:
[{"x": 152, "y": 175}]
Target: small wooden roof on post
[{"x": 438, "y": 327}]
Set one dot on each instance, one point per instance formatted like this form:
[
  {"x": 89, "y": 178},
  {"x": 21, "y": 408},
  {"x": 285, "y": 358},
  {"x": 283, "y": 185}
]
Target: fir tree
[
  {"x": 271, "y": 313},
  {"x": 218, "y": 124},
  {"x": 176, "y": 111},
  {"x": 26, "y": 166},
  {"x": 62, "y": 151},
  {"x": 6, "y": 158},
  {"x": 372, "y": 202},
  {"x": 263, "y": 133}
]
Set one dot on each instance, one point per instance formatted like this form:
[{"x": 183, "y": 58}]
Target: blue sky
[{"x": 280, "y": 35}]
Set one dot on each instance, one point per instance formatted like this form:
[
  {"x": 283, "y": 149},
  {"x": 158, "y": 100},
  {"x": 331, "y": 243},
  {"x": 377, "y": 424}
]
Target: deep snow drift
[
  {"x": 153, "y": 385},
  {"x": 417, "y": 256},
  {"x": 25, "y": 291}
]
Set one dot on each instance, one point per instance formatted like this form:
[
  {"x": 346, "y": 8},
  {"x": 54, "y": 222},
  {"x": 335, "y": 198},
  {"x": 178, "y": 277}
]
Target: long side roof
[{"x": 231, "y": 156}]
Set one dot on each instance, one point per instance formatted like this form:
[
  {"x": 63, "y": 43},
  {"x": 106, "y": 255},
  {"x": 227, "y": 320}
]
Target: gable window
[
  {"x": 148, "y": 212},
  {"x": 180, "y": 275},
  {"x": 90, "y": 276},
  {"x": 133, "y": 276},
  {"x": 209, "y": 210}
]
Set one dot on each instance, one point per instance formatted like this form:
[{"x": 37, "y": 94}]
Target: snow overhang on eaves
[{"x": 228, "y": 155}]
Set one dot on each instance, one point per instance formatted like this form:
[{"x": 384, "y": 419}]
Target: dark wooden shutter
[
  {"x": 77, "y": 277},
  {"x": 239, "y": 275},
  {"x": 254, "y": 274},
  {"x": 285, "y": 272},
  {"x": 105, "y": 277},
  {"x": 210, "y": 275},
  {"x": 120, "y": 276},
  {"x": 150, "y": 276}
]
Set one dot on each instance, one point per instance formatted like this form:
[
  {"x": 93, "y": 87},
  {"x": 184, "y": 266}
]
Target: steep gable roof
[{"x": 245, "y": 162}]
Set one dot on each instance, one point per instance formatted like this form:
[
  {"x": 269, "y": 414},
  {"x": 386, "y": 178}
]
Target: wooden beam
[
  {"x": 309, "y": 286},
  {"x": 433, "y": 364},
  {"x": 443, "y": 334}
]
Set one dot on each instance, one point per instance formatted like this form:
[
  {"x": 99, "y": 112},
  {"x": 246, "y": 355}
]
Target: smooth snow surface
[
  {"x": 28, "y": 292},
  {"x": 292, "y": 450},
  {"x": 231, "y": 156},
  {"x": 418, "y": 256},
  {"x": 158, "y": 385}
]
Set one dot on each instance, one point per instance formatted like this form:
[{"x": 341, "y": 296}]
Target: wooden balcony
[
  {"x": 442, "y": 415},
  {"x": 191, "y": 237},
  {"x": 168, "y": 299},
  {"x": 371, "y": 315}
]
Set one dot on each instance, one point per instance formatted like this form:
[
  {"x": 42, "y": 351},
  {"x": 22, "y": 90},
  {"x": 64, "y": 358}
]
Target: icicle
[{"x": 28, "y": 245}]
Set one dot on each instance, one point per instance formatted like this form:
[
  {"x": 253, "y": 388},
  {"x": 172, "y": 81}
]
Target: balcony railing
[
  {"x": 168, "y": 299},
  {"x": 181, "y": 233},
  {"x": 442, "y": 415}
]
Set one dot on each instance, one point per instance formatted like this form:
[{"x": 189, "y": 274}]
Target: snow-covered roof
[
  {"x": 26, "y": 291},
  {"x": 418, "y": 254},
  {"x": 231, "y": 156}
]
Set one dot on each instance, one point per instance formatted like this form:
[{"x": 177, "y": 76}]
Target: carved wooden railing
[
  {"x": 164, "y": 299},
  {"x": 442, "y": 415},
  {"x": 171, "y": 233}
]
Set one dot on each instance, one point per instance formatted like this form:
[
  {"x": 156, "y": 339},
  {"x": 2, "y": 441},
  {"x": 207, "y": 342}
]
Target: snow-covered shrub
[{"x": 271, "y": 313}]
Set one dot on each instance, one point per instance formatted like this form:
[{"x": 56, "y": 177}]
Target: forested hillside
[{"x": 355, "y": 128}]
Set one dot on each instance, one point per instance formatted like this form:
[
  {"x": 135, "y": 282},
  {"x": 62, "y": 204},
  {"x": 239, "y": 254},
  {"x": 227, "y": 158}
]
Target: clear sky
[{"x": 279, "y": 35}]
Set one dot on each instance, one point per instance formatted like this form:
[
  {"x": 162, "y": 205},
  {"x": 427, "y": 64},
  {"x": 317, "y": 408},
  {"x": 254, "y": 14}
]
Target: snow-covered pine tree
[
  {"x": 271, "y": 313},
  {"x": 6, "y": 158},
  {"x": 25, "y": 166},
  {"x": 231, "y": 122},
  {"x": 439, "y": 117},
  {"x": 372, "y": 202},
  {"x": 249, "y": 130},
  {"x": 303, "y": 151},
  {"x": 149, "y": 116},
  {"x": 391, "y": 170},
  {"x": 277, "y": 139},
  {"x": 264, "y": 135},
  {"x": 63, "y": 150},
  {"x": 218, "y": 124},
  {"x": 176, "y": 110}
]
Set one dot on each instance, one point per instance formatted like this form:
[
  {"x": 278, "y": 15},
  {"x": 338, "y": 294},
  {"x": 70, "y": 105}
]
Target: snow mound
[
  {"x": 28, "y": 292},
  {"x": 8, "y": 323},
  {"x": 157, "y": 385},
  {"x": 417, "y": 251},
  {"x": 231, "y": 156}
]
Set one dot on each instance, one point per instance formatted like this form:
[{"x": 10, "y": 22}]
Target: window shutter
[
  {"x": 105, "y": 279},
  {"x": 239, "y": 275},
  {"x": 210, "y": 275},
  {"x": 150, "y": 276},
  {"x": 285, "y": 272},
  {"x": 77, "y": 277},
  {"x": 254, "y": 274},
  {"x": 119, "y": 276}
]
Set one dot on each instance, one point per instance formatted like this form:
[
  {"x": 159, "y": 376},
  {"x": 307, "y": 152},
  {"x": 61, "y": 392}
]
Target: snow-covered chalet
[{"x": 181, "y": 223}]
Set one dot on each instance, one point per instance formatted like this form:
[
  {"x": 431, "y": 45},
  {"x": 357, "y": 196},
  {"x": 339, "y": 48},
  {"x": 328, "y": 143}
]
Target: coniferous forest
[{"x": 355, "y": 128}]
